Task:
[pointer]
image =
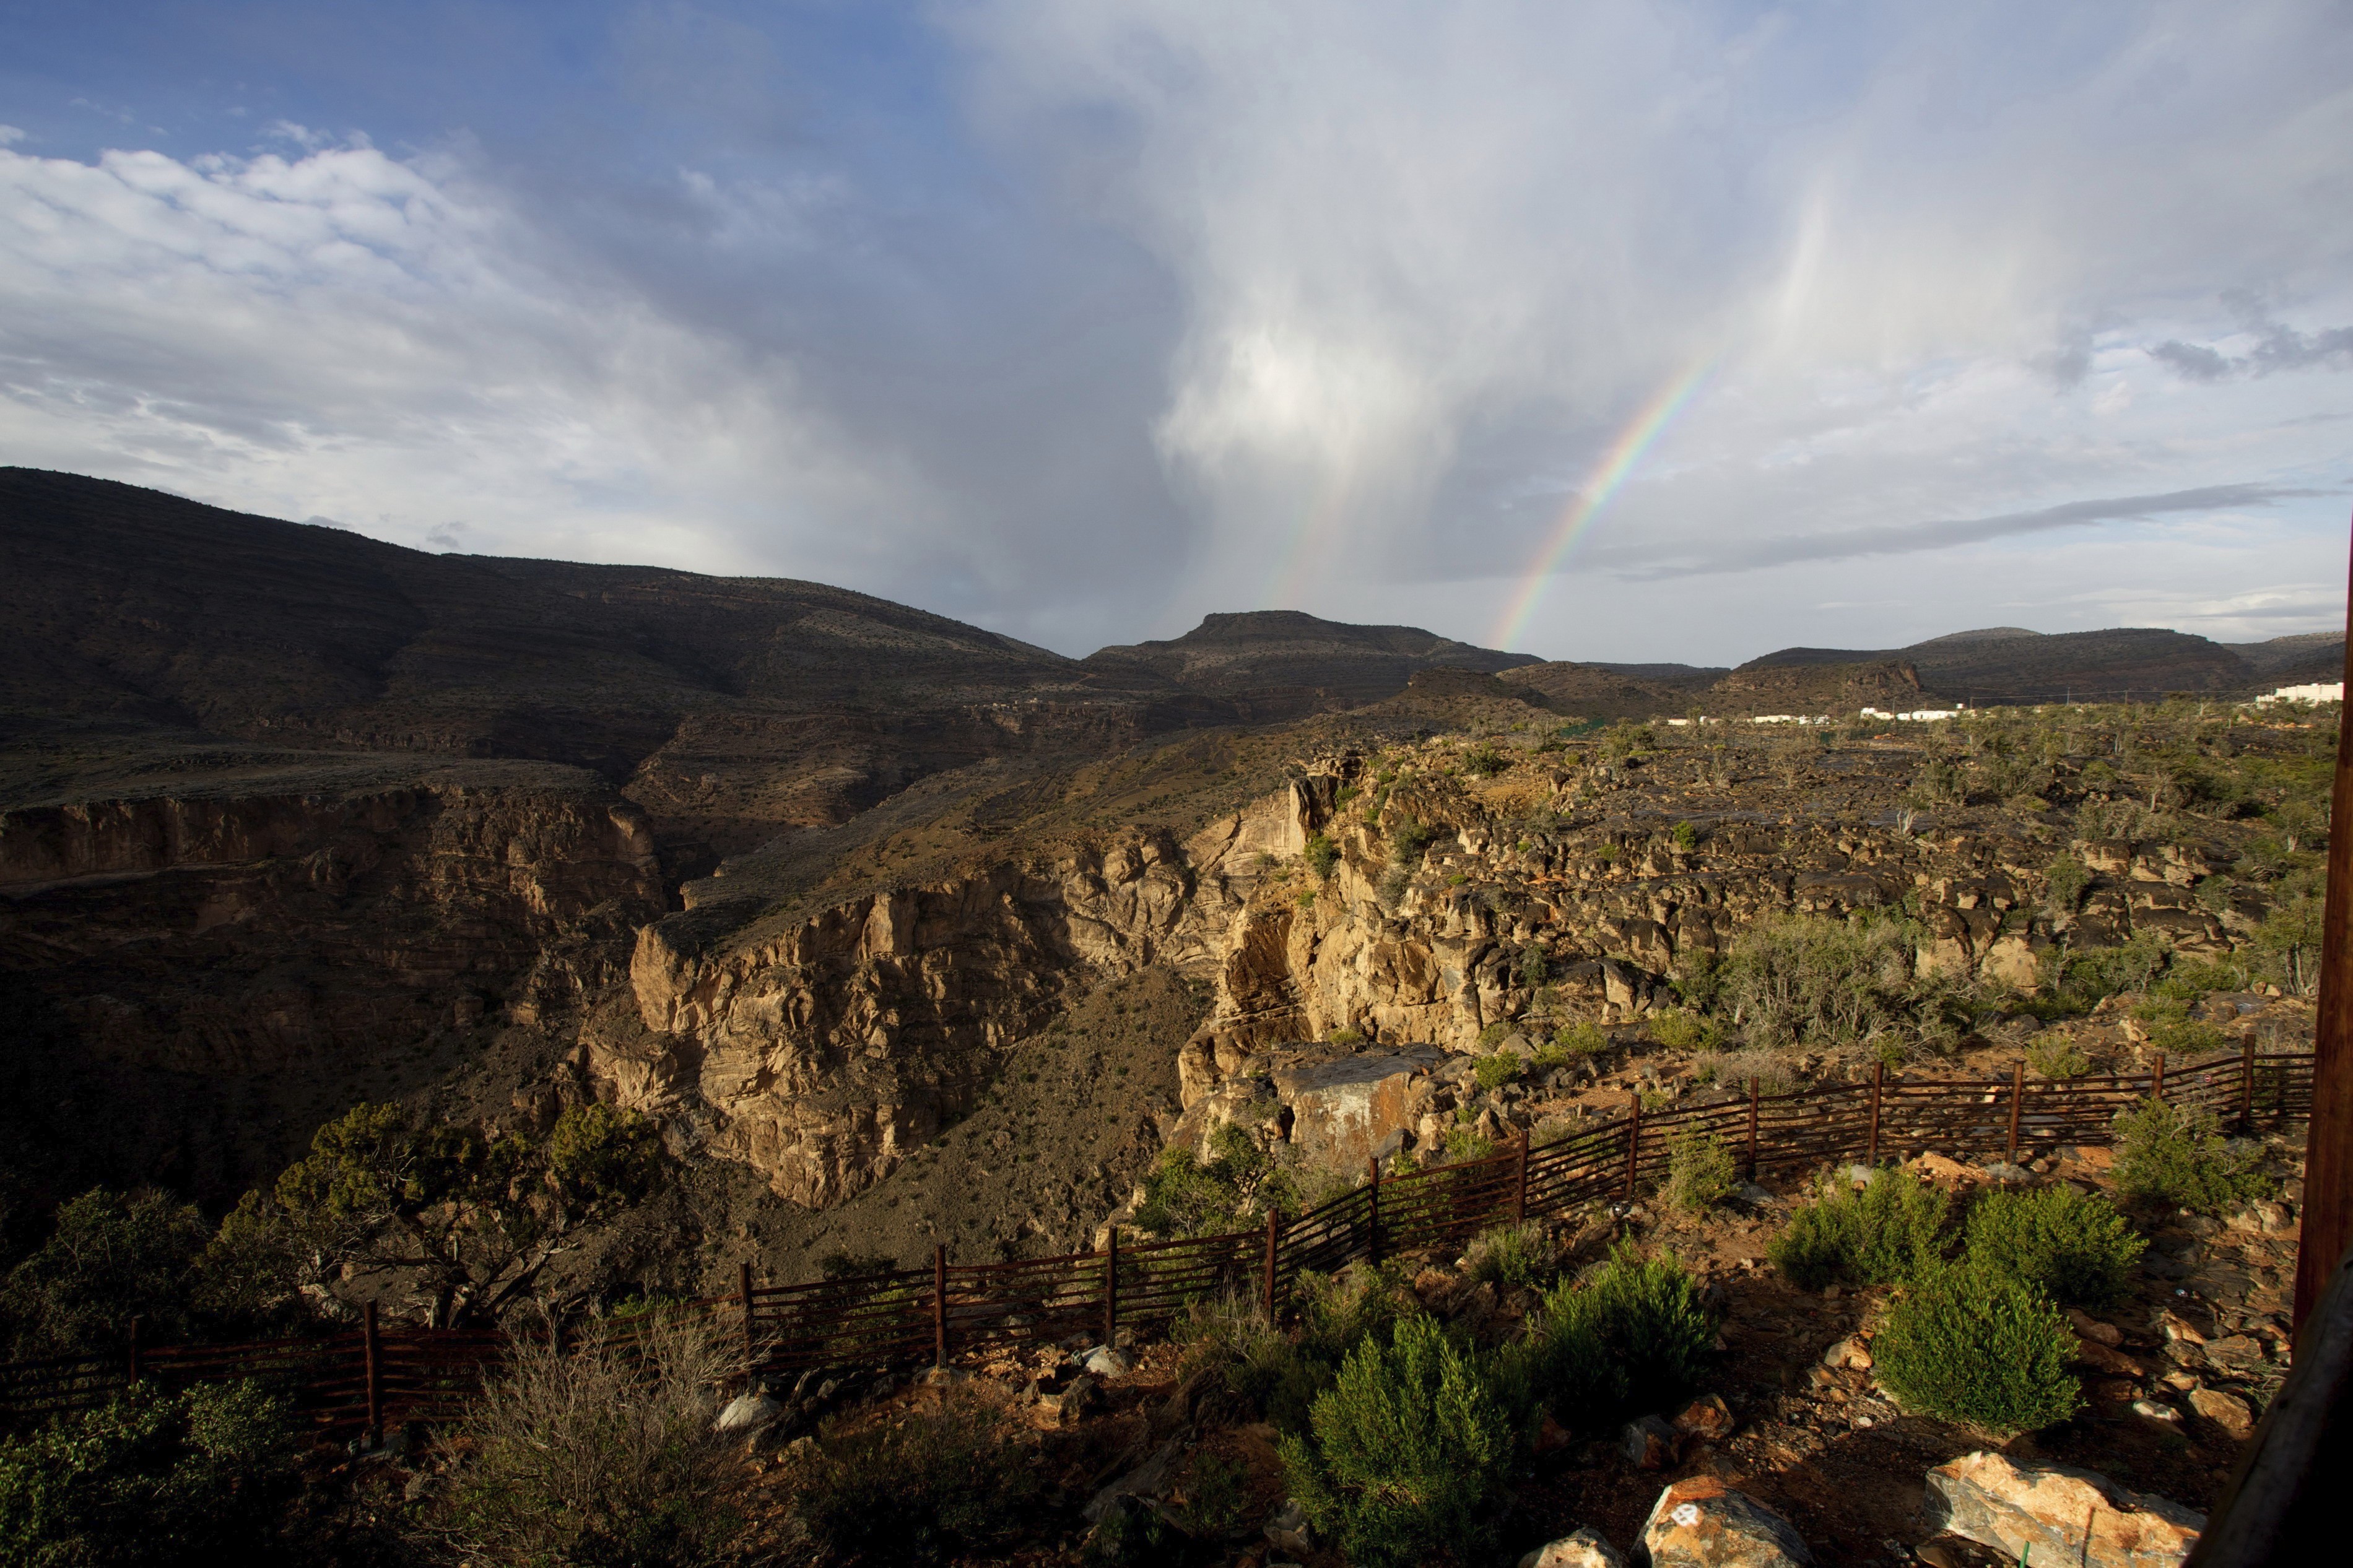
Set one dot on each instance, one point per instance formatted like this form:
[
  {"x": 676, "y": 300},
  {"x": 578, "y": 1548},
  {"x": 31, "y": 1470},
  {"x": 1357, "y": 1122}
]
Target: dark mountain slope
[
  {"x": 2006, "y": 664},
  {"x": 1279, "y": 664}
]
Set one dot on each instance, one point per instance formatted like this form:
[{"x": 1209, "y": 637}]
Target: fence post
[
  {"x": 1878, "y": 1078},
  {"x": 2157, "y": 1087},
  {"x": 1752, "y": 1129},
  {"x": 2247, "y": 1081},
  {"x": 1520, "y": 1188},
  {"x": 372, "y": 1360},
  {"x": 2017, "y": 1093},
  {"x": 1634, "y": 1143},
  {"x": 940, "y": 1303},
  {"x": 1273, "y": 1241},
  {"x": 744, "y": 1295},
  {"x": 1111, "y": 1289},
  {"x": 1372, "y": 1215},
  {"x": 136, "y": 1368}
]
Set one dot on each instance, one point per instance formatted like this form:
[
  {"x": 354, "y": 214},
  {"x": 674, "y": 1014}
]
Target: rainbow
[{"x": 1610, "y": 472}]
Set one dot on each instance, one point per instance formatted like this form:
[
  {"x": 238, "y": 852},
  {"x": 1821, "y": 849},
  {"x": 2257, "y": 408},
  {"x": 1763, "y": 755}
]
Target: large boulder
[
  {"x": 1700, "y": 1522},
  {"x": 2063, "y": 1514}
]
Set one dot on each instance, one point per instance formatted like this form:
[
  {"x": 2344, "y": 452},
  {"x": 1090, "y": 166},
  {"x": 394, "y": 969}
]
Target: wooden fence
[{"x": 367, "y": 1379}]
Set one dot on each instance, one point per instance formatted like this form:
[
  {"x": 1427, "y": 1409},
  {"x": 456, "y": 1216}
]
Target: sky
[{"x": 1618, "y": 332}]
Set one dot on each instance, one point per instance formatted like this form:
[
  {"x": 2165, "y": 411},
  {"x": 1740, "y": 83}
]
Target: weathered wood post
[
  {"x": 1878, "y": 1081},
  {"x": 1273, "y": 1243},
  {"x": 371, "y": 1363},
  {"x": 743, "y": 1298},
  {"x": 1752, "y": 1129},
  {"x": 1520, "y": 1184},
  {"x": 137, "y": 1370},
  {"x": 2017, "y": 1093},
  {"x": 2156, "y": 1082},
  {"x": 1111, "y": 1289},
  {"x": 1373, "y": 1214},
  {"x": 2247, "y": 1081},
  {"x": 940, "y": 1303},
  {"x": 1634, "y": 1143},
  {"x": 2328, "y": 1222}
]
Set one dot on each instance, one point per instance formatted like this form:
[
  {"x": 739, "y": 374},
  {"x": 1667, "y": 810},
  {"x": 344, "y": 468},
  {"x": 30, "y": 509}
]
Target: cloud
[{"x": 1912, "y": 537}]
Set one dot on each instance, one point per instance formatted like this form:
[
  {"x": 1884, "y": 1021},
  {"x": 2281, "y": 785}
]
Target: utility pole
[{"x": 2327, "y": 1226}]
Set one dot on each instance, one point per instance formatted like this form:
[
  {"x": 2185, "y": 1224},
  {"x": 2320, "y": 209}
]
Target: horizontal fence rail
[{"x": 370, "y": 1379}]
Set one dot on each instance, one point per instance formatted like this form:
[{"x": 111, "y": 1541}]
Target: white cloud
[{"x": 350, "y": 334}]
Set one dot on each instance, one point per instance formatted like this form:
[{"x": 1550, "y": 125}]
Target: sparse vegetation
[
  {"x": 1321, "y": 855},
  {"x": 2053, "y": 1052},
  {"x": 2075, "y": 1248},
  {"x": 1887, "y": 1233},
  {"x": 1700, "y": 1173},
  {"x": 2169, "y": 1155},
  {"x": 938, "y": 1483},
  {"x": 1632, "y": 1334}
]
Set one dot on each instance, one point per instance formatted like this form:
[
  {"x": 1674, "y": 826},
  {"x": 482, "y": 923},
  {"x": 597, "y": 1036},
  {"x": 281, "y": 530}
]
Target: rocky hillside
[
  {"x": 2013, "y": 665},
  {"x": 1283, "y": 664}
]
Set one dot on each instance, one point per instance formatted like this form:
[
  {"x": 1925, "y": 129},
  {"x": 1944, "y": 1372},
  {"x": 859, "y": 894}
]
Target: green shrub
[
  {"x": 1887, "y": 1233},
  {"x": 1321, "y": 854},
  {"x": 938, "y": 1486},
  {"x": 1494, "y": 1072},
  {"x": 599, "y": 1152},
  {"x": 1686, "y": 836},
  {"x": 1700, "y": 1173},
  {"x": 1681, "y": 1029},
  {"x": 1187, "y": 1195},
  {"x": 1633, "y": 1334},
  {"x": 1803, "y": 978},
  {"x": 1514, "y": 1255},
  {"x": 1535, "y": 965},
  {"x": 1583, "y": 1039},
  {"x": 2076, "y": 1248},
  {"x": 1283, "y": 1372},
  {"x": 1986, "y": 1349},
  {"x": 110, "y": 1256},
  {"x": 1407, "y": 1452},
  {"x": 2165, "y": 1153},
  {"x": 151, "y": 1477},
  {"x": 1407, "y": 840},
  {"x": 2053, "y": 1052},
  {"x": 1485, "y": 761},
  {"x": 2078, "y": 980}
]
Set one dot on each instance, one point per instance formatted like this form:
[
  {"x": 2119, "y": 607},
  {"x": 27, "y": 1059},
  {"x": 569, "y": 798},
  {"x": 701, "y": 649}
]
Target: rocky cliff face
[{"x": 228, "y": 949}]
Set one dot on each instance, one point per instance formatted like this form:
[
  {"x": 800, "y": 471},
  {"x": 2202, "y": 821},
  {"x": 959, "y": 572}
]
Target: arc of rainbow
[{"x": 1617, "y": 462}]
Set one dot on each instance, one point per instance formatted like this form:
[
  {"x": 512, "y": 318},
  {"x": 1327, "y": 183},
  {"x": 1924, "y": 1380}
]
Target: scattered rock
[
  {"x": 1082, "y": 1398},
  {"x": 2091, "y": 1328},
  {"x": 1587, "y": 1549},
  {"x": 2226, "y": 1411},
  {"x": 1287, "y": 1529},
  {"x": 1943, "y": 1168},
  {"x": 2060, "y": 1513},
  {"x": 749, "y": 1413},
  {"x": 1551, "y": 1436},
  {"x": 2237, "y": 1351},
  {"x": 1700, "y": 1522},
  {"x": 1937, "y": 1554},
  {"x": 1146, "y": 1481},
  {"x": 2154, "y": 1411},
  {"x": 2100, "y": 1358},
  {"x": 1648, "y": 1444},
  {"x": 1708, "y": 1418},
  {"x": 1106, "y": 1361},
  {"x": 1848, "y": 1353}
]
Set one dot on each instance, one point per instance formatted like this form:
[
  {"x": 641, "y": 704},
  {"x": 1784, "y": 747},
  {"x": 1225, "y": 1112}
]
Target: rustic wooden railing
[{"x": 368, "y": 1379}]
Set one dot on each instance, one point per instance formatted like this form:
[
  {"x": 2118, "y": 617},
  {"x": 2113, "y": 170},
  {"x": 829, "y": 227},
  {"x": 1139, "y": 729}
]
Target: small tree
[
  {"x": 2167, "y": 1154},
  {"x": 110, "y": 1256},
  {"x": 1980, "y": 1347}
]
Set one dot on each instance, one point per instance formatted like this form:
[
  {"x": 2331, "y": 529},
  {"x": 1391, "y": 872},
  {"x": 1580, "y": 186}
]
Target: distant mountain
[
  {"x": 2295, "y": 660},
  {"x": 2010, "y": 664},
  {"x": 1278, "y": 664}
]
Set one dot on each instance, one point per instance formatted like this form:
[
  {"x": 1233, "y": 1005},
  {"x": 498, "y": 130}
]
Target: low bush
[
  {"x": 1321, "y": 854},
  {"x": 1281, "y": 1372},
  {"x": 1700, "y": 1173},
  {"x": 601, "y": 1456},
  {"x": 2053, "y": 1052},
  {"x": 1407, "y": 1452},
  {"x": 1494, "y": 1072},
  {"x": 939, "y": 1485},
  {"x": 1188, "y": 1194},
  {"x": 600, "y": 1153},
  {"x": 2172, "y": 1030},
  {"x": 1888, "y": 1232},
  {"x": 152, "y": 1477},
  {"x": 1584, "y": 1038},
  {"x": 1514, "y": 1255},
  {"x": 1632, "y": 1334},
  {"x": 2073, "y": 1246},
  {"x": 1681, "y": 1029},
  {"x": 110, "y": 1256},
  {"x": 2175, "y": 1156},
  {"x": 1983, "y": 1348}
]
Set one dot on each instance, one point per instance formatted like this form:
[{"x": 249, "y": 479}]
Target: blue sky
[{"x": 1080, "y": 321}]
